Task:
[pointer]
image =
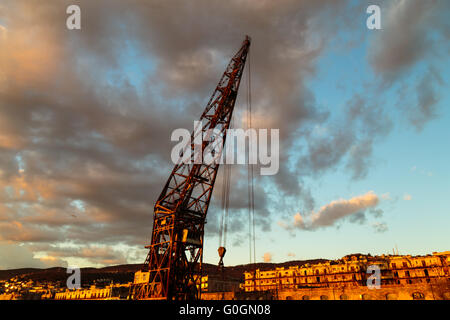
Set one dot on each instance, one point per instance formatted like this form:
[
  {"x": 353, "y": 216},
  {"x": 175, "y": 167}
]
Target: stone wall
[{"x": 438, "y": 291}]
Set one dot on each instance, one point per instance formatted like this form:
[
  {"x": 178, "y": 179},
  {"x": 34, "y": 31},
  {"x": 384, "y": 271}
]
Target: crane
[{"x": 174, "y": 262}]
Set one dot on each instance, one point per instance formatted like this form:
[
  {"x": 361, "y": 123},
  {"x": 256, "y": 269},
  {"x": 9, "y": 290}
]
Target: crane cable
[
  {"x": 226, "y": 178},
  {"x": 251, "y": 192},
  {"x": 225, "y": 203}
]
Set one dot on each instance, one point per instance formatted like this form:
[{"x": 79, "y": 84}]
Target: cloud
[
  {"x": 95, "y": 255},
  {"x": 85, "y": 117},
  {"x": 407, "y": 35},
  {"x": 421, "y": 171},
  {"x": 427, "y": 99},
  {"x": 407, "y": 197},
  {"x": 414, "y": 43},
  {"x": 377, "y": 213},
  {"x": 15, "y": 256},
  {"x": 386, "y": 196},
  {"x": 349, "y": 141},
  {"x": 335, "y": 211},
  {"x": 380, "y": 227},
  {"x": 267, "y": 257},
  {"x": 3, "y": 32}
]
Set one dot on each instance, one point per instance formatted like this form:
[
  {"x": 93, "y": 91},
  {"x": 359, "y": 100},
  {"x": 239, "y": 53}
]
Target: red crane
[{"x": 174, "y": 260}]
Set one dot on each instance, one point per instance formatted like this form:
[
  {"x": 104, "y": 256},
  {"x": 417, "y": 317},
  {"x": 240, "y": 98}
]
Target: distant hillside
[
  {"x": 118, "y": 274},
  {"x": 125, "y": 273}
]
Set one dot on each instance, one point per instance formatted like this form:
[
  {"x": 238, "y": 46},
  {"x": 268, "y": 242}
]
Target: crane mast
[{"x": 174, "y": 260}]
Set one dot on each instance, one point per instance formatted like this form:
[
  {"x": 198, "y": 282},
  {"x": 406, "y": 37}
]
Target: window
[
  {"x": 418, "y": 296},
  {"x": 405, "y": 265}
]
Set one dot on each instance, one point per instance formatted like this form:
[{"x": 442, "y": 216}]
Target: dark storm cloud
[{"x": 93, "y": 147}]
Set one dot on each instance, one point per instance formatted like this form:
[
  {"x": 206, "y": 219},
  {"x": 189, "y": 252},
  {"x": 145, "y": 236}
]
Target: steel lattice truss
[{"x": 176, "y": 250}]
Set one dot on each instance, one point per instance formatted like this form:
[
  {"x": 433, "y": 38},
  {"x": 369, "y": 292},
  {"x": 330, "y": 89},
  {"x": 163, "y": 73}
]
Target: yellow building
[
  {"x": 215, "y": 283},
  {"x": 350, "y": 271},
  {"x": 109, "y": 292}
]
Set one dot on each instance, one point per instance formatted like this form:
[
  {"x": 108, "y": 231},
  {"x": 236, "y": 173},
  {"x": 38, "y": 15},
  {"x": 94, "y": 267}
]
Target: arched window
[
  {"x": 305, "y": 297},
  {"x": 343, "y": 297},
  {"x": 323, "y": 297}
]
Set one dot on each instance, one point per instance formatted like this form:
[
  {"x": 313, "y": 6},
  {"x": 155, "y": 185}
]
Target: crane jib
[{"x": 173, "y": 267}]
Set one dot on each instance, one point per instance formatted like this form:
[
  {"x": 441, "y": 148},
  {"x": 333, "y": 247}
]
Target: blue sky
[{"x": 410, "y": 166}]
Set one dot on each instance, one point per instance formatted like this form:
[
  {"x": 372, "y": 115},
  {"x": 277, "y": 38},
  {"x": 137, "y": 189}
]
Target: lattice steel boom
[{"x": 175, "y": 255}]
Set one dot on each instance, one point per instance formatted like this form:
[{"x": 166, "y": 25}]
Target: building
[
  {"x": 351, "y": 272},
  {"x": 110, "y": 292}
]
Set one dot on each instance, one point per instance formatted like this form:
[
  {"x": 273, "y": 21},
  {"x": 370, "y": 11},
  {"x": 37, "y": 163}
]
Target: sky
[{"x": 86, "y": 118}]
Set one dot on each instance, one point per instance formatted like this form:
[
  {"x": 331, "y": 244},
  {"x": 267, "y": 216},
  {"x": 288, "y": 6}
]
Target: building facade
[
  {"x": 353, "y": 271},
  {"x": 111, "y": 292}
]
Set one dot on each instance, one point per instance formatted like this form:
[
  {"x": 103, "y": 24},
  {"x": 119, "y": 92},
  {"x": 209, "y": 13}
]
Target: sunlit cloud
[
  {"x": 267, "y": 257},
  {"x": 335, "y": 211}
]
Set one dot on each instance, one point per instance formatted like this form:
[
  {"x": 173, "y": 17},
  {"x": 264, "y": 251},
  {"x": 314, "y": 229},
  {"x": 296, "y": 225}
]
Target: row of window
[
  {"x": 301, "y": 280},
  {"x": 394, "y": 265},
  {"x": 304, "y": 272},
  {"x": 82, "y": 296},
  {"x": 415, "y": 263}
]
